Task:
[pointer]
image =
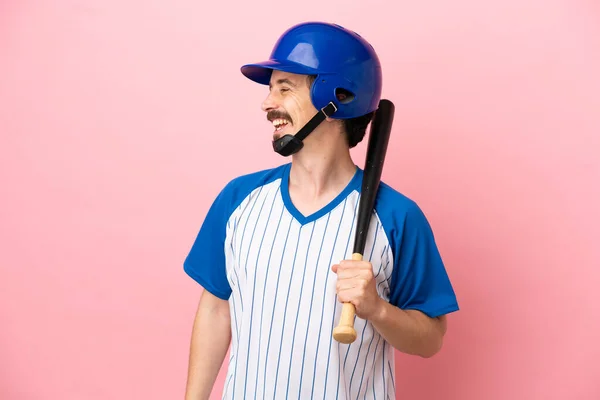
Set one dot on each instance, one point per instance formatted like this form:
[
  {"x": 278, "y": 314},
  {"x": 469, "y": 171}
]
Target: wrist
[{"x": 381, "y": 311}]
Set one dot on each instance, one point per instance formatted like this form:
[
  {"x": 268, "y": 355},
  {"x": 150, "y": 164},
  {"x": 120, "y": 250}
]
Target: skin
[
  {"x": 211, "y": 336},
  {"x": 319, "y": 172}
]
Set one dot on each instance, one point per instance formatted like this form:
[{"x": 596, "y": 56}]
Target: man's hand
[
  {"x": 409, "y": 331},
  {"x": 356, "y": 285}
]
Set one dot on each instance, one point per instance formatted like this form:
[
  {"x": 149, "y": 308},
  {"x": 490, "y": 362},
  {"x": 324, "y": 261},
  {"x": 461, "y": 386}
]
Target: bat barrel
[{"x": 376, "y": 150}]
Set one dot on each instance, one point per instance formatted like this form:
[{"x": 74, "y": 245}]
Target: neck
[{"x": 319, "y": 172}]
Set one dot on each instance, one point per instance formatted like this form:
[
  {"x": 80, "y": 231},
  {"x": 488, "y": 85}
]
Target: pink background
[{"x": 116, "y": 120}]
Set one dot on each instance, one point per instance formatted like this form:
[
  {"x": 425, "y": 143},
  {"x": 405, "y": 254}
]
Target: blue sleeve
[
  {"x": 419, "y": 279},
  {"x": 205, "y": 262}
]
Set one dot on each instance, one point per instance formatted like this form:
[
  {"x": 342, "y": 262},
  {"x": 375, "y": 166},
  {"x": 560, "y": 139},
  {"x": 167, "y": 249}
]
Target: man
[{"x": 273, "y": 252}]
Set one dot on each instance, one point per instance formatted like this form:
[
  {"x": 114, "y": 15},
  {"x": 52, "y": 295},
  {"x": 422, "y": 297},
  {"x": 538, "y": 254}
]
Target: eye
[{"x": 282, "y": 90}]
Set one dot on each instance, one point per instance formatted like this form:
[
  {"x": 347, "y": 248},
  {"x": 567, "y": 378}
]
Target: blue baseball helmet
[{"x": 342, "y": 61}]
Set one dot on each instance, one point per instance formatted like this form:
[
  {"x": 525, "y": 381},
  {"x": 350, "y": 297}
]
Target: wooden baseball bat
[{"x": 379, "y": 135}]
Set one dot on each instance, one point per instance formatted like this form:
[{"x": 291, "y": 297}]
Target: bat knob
[{"x": 344, "y": 334}]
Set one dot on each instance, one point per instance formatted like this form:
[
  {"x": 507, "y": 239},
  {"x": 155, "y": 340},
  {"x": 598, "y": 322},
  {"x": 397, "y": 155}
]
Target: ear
[{"x": 333, "y": 120}]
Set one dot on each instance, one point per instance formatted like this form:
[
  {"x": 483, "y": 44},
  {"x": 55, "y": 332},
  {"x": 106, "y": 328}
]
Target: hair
[{"x": 353, "y": 128}]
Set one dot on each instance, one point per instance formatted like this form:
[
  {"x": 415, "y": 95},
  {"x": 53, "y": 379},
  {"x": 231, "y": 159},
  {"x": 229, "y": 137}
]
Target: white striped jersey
[{"x": 273, "y": 265}]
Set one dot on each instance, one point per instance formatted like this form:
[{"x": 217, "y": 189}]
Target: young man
[{"x": 273, "y": 252}]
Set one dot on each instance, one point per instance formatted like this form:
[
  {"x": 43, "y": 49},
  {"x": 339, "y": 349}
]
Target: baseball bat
[{"x": 379, "y": 135}]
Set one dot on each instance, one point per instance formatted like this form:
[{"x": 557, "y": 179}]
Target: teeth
[{"x": 278, "y": 122}]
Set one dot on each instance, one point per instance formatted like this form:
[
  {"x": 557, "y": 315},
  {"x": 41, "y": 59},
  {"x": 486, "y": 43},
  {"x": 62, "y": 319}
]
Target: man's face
[{"x": 288, "y": 104}]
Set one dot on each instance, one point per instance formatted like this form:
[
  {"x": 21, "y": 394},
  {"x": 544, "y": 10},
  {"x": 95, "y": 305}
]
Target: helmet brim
[{"x": 261, "y": 72}]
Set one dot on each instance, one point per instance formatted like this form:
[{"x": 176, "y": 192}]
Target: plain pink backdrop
[{"x": 121, "y": 120}]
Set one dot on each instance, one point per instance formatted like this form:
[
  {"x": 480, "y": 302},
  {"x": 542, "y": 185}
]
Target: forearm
[
  {"x": 409, "y": 331},
  {"x": 211, "y": 336}
]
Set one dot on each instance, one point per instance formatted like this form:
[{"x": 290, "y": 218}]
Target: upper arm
[
  {"x": 205, "y": 262},
  {"x": 437, "y": 324},
  {"x": 214, "y": 306},
  {"x": 442, "y": 322},
  {"x": 419, "y": 278}
]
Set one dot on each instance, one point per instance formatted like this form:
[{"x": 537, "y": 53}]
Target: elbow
[
  {"x": 435, "y": 340},
  {"x": 432, "y": 346}
]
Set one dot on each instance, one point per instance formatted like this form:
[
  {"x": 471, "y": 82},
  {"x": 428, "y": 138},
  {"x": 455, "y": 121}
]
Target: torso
[{"x": 284, "y": 305}]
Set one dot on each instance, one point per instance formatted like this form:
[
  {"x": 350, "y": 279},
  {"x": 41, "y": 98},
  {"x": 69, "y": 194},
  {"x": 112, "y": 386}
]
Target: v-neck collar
[{"x": 354, "y": 183}]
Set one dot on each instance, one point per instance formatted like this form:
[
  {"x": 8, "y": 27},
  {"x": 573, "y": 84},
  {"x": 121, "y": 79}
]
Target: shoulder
[
  {"x": 239, "y": 188},
  {"x": 392, "y": 205},
  {"x": 400, "y": 215}
]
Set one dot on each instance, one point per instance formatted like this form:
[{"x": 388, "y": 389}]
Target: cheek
[
  {"x": 306, "y": 110},
  {"x": 293, "y": 108},
  {"x": 299, "y": 108}
]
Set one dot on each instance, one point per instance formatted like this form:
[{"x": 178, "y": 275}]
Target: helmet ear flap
[{"x": 328, "y": 88}]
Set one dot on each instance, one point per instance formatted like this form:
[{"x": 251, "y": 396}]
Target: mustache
[{"x": 271, "y": 115}]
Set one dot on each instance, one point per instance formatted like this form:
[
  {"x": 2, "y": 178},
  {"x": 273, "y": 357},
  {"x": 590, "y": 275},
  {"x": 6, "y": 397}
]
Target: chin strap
[{"x": 290, "y": 144}]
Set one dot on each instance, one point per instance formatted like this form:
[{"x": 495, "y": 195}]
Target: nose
[{"x": 269, "y": 103}]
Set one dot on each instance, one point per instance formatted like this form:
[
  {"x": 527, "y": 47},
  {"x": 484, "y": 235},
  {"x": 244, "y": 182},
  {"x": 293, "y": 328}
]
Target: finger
[
  {"x": 355, "y": 264},
  {"x": 349, "y": 273},
  {"x": 354, "y": 274},
  {"x": 346, "y": 285},
  {"x": 351, "y": 296},
  {"x": 349, "y": 284}
]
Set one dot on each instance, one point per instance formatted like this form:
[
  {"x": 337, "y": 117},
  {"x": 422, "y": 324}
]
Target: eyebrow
[{"x": 283, "y": 81}]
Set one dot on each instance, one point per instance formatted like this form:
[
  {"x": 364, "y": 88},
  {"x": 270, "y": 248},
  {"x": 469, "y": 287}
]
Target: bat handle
[{"x": 344, "y": 332}]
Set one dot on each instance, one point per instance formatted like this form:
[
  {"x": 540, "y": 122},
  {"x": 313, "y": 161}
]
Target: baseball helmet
[{"x": 343, "y": 62}]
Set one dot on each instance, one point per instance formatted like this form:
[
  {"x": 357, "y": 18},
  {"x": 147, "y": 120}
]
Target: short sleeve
[
  {"x": 205, "y": 262},
  {"x": 419, "y": 279}
]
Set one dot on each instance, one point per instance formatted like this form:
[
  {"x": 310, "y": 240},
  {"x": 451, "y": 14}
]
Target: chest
[{"x": 269, "y": 251}]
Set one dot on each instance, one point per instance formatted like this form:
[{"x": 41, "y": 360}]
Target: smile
[{"x": 279, "y": 124}]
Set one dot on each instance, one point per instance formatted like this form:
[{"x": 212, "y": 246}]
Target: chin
[{"x": 279, "y": 135}]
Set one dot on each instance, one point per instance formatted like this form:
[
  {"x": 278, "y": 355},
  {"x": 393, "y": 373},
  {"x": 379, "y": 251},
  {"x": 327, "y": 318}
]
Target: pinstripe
[
  {"x": 274, "y": 304},
  {"x": 365, "y": 363},
  {"x": 392, "y": 375},
  {"x": 262, "y": 307},
  {"x": 312, "y": 297},
  {"x": 244, "y": 236},
  {"x": 373, "y": 367},
  {"x": 226, "y": 391},
  {"x": 260, "y": 247},
  {"x": 323, "y": 301},
  {"x": 285, "y": 308},
  {"x": 374, "y": 240},
  {"x": 243, "y": 207},
  {"x": 298, "y": 309},
  {"x": 336, "y": 303},
  {"x": 238, "y": 338}
]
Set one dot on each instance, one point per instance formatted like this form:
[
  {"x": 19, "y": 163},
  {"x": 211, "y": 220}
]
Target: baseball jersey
[{"x": 273, "y": 265}]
